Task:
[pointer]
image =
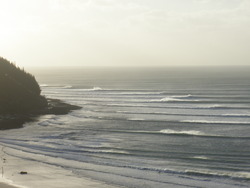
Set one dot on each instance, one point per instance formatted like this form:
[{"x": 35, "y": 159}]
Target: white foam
[
  {"x": 136, "y": 119},
  {"x": 44, "y": 85},
  {"x": 189, "y": 132},
  {"x": 182, "y": 96},
  {"x": 96, "y": 88},
  {"x": 210, "y": 106},
  {"x": 127, "y": 105},
  {"x": 237, "y": 115},
  {"x": 119, "y": 111},
  {"x": 243, "y": 174},
  {"x": 214, "y": 122},
  {"x": 41, "y": 174},
  {"x": 44, "y": 123},
  {"x": 171, "y": 99},
  {"x": 67, "y": 87},
  {"x": 92, "y": 89},
  {"x": 201, "y": 157},
  {"x": 114, "y": 151},
  {"x": 175, "y": 98}
]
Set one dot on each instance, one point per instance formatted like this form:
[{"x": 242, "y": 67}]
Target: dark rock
[
  {"x": 55, "y": 106},
  {"x": 23, "y": 173}
]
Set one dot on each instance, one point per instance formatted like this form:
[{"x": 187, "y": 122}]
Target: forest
[{"x": 19, "y": 90}]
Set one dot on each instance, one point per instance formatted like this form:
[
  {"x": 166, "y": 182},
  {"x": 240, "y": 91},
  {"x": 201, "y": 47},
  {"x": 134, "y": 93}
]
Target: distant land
[{"x": 21, "y": 100}]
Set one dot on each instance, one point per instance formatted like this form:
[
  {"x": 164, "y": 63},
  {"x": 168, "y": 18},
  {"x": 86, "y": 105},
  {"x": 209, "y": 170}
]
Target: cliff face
[{"x": 19, "y": 91}]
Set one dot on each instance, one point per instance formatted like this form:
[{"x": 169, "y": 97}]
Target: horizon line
[{"x": 137, "y": 66}]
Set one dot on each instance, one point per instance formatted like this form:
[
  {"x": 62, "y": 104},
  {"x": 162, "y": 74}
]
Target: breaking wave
[
  {"x": 168, "y": 107},
  {"x": 215, "y": 122},
  {"x": 136, "y": 119},
  {"x": 67, "y": 87},
  {"x": 92, "y": 89},
  {"x": 56, "y": 86},
  {"x": 190, "y": 132},
  {"x": 236, "y": 115},
  {"x": 182, "y": 98},
  {"x": 44, "y": 85}
]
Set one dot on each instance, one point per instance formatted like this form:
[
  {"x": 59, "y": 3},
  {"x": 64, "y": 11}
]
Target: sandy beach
[
  {"x": 39, "y": 175},
  {"x": 177, "y": 133},
  {"x": 3, "y": 185}
]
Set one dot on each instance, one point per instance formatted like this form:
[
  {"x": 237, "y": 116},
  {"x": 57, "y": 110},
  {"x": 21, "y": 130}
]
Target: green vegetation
[
  {"x": 21, "y": 100},
  {"x": 19, "y": 91}
]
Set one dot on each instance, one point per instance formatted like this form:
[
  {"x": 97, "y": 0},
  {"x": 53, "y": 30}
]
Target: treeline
[{"x": 19, "y": 90}]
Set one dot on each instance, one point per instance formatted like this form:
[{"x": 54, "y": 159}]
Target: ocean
[{"x": 145, "y": 127}]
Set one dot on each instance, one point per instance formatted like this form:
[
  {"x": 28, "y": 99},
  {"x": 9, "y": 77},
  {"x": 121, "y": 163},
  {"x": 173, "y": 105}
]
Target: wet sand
[
  {"x": 39, "y": 174},
  {"x": 3, "y": 185}
]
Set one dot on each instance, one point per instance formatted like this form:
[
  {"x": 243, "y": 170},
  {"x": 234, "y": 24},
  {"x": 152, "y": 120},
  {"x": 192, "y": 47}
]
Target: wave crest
[
  {"x": 183, "y": 98},
  {"x": 215, "y": 122},
  {"x": 190, "y": 132},
  {"x": 56, "y": 86},
  {"x": 92, "y": 89}
]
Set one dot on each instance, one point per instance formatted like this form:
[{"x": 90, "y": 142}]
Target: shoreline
[
  {"x": 4, "y": 185},
  {"x": 15, "y": 121},
  {"x": 13, "y": 161},
  {"x": 39, "y": 174}
]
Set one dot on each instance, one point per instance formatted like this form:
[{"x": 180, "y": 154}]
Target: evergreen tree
[{"x": 19, "y": 90}]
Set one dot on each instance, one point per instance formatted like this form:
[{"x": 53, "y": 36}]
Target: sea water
[{"x": 145, "y": 127}]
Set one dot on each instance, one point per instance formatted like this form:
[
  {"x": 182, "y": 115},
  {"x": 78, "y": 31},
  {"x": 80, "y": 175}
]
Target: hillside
[
  {"x": 19, "y": 91},
  {"x": 21, "y": 100}
]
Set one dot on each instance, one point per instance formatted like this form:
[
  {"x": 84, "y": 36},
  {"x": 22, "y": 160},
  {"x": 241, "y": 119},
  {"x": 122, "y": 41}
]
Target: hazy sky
[{"x": 125, "y": 32}]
